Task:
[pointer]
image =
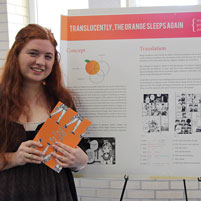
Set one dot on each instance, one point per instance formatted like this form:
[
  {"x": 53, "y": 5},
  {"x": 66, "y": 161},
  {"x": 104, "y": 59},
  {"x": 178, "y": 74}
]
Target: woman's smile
[{"x": 36, "y": 60}]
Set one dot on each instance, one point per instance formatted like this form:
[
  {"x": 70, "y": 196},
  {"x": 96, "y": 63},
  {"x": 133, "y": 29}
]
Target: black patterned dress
[{"x": 33, "y": 182}]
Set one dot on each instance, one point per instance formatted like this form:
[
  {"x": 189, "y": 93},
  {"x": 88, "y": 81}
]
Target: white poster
[{"x": 137, "y": 77}]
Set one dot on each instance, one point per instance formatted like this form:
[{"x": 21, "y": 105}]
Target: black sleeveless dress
[{"x": 33, "y": 182}]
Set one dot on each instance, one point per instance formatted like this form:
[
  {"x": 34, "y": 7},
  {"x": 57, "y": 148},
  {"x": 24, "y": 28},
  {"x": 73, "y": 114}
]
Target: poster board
[{"x": 138, "y": 75}]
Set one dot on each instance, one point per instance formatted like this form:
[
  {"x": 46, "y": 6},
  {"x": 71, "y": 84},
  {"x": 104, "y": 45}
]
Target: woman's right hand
[{"x": 27, "y": 153}]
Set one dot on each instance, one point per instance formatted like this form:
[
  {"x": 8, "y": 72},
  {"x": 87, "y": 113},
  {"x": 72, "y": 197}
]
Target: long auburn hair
[{"x": 11, "y": 99}]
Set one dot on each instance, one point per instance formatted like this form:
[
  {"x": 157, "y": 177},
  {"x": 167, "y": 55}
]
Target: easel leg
[
  {"x": 124, "y": 187},
  {"x": 185, "y": 190}
]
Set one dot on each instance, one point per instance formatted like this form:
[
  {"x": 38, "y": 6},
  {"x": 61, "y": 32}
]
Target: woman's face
[{"x": 36, "y": 60}]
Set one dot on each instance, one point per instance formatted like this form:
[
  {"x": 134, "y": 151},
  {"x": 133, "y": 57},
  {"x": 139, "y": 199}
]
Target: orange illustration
[{"x": 92, "y": 67}]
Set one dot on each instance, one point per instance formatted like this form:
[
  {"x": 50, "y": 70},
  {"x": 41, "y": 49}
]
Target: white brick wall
[
  {"x": 4, "y": 42},
  {"x": 13, "y": 16},
  {"x": 18, "y": 17},
  {"x": 110, "y": 189}
]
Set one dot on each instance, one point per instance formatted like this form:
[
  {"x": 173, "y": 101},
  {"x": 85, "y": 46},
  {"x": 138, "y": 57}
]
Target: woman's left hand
[{"x": 73, "y": 158}]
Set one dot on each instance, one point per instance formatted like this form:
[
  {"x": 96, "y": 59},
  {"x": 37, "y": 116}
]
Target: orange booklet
[{"x": 64, "y": 125}]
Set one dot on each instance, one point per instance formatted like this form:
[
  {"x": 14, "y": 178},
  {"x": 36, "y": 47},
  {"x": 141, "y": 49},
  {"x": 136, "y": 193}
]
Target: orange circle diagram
[{"x": 92, "y": 67}]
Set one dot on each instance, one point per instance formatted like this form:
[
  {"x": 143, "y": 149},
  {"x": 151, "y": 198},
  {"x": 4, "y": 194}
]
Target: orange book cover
[{"x": 64, "y": 125}]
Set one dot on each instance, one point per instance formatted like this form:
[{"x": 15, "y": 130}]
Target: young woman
[{"x": 31, "y": 85}]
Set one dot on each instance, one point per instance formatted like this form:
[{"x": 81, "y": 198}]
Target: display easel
[
  {"x": 124, "y": 187},
  {"x": 185, "y": 190},
  {"x": 126, "y": 180}
]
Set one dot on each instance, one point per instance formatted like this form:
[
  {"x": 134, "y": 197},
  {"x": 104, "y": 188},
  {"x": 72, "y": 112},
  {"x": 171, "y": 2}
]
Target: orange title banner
[{"x": 131, "y": 26}]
